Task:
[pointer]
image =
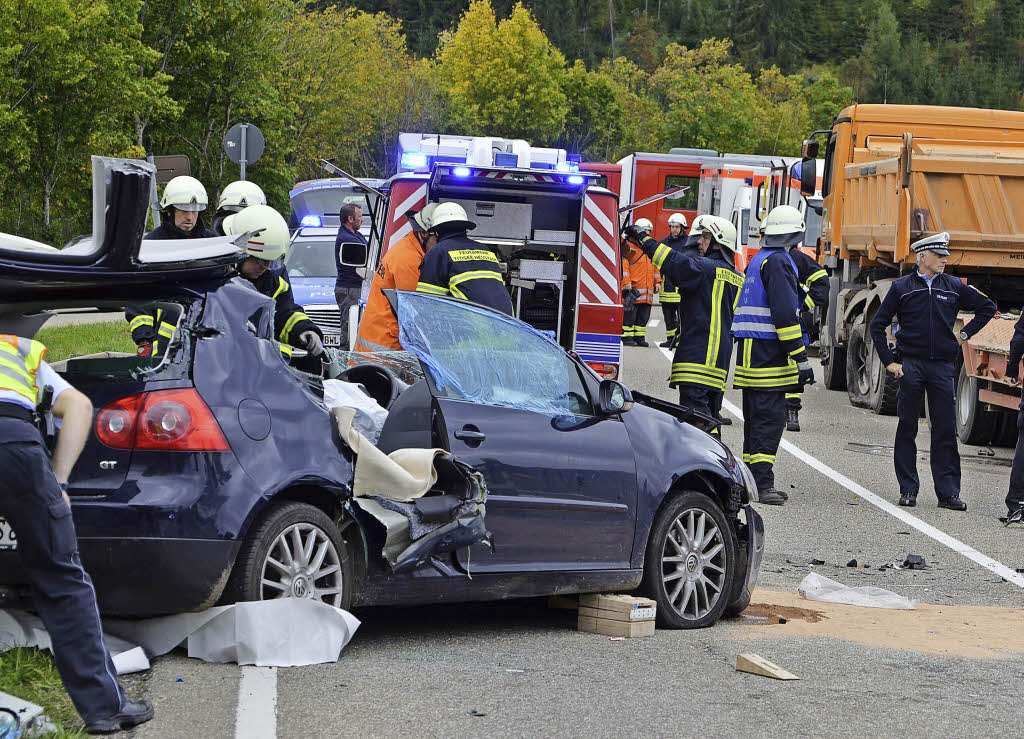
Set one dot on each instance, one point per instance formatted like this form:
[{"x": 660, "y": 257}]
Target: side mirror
[
  {"x": 810, "y": 149},
  {"x": 353, "y": 254},
  {"x": 809, "y": 174},
  {"x": 614, "y": 397}
]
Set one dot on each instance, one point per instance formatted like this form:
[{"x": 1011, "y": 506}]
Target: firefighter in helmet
[{"x": 669, "y": 298}]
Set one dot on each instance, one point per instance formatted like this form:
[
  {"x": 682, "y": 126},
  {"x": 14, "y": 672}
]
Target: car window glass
[
  {"x": 475, "y": 354},
  {"x": 311, "y": 259},
  {"x": 813, "y": 222},
  {"x": 686, "y": 200}
]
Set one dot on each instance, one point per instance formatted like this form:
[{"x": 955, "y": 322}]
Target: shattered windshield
[{"x": 475, "y": 354}]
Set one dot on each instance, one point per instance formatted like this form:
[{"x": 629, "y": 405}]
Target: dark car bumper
[{"x": 146, "y": 577}]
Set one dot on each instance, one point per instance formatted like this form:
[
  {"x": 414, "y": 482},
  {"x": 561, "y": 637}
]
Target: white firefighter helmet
[
  {"x": 184, "y": 193},
  {"x": 424, "y": 218},
  {"x": 700, "y": 224},
  {"x": 645, "y": 224},
  {"x": 450, "y": 217},
  {"x": 241, "y": 194},
  {"x": 269, "y": 232},
  {"x": 677, "y": 219},
  {"x": 722, "y": 232},
  {"x": 783, "y": 219}
]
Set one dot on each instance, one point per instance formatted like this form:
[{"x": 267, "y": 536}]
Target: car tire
[
  {"x": 304, "y": 534},
  {"x": 675, "y": 564}
]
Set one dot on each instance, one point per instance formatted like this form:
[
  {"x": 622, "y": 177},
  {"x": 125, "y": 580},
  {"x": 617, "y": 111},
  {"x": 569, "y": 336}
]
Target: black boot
[
  {"x": 771, "y": 496},
  {"x": 908, "y": 500},
  {"x": 641, "y": 341},
  {"x": 792, "y": 419},
  {"x": 132, "y": 714},
  {"x": 666, "y": 344},
  {"x": 953, "y": 504}
]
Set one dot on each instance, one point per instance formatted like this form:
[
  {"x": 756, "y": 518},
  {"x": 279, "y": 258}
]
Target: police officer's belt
[{"x": 13, "y": 410}]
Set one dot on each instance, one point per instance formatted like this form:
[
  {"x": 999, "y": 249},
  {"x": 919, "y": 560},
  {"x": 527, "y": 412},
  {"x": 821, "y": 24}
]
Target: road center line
[
  {"x": 860, "y": 491},
  {"x": 256, "y": 717}
]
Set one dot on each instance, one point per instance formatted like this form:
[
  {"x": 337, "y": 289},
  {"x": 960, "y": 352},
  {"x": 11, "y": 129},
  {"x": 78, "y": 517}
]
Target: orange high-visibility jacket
[
  {"x": 399, "y": 270},
  {"x": 642, "y": 274}
]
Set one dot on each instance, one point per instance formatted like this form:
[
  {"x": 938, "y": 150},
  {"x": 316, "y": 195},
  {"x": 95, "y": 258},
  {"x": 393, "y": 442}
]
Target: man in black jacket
[
  {"x": 1015, "y": 494},
  {"x": 926, "y": 304}
]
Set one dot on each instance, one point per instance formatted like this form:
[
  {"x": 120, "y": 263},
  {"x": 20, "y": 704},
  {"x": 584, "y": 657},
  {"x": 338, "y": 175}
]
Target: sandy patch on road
[{"x": 966, "y": 631}]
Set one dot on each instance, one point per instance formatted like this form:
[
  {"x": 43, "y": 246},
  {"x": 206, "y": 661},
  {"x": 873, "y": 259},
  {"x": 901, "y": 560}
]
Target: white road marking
[
  {"x": 653, "y": 322},
  {"x": 860, "y": 491},
  {"x": 256, "y": 717}
]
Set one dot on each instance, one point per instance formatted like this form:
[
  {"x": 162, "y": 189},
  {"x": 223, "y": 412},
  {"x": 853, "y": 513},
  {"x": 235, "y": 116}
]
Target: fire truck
[{"x": 553, "y": 229}]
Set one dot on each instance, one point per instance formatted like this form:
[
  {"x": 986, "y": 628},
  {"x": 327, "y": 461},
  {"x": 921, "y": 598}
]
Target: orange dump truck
[{"x": 894, "y": 174}]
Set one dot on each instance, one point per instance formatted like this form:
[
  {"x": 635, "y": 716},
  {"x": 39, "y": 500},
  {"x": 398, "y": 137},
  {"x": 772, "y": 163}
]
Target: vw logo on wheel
[
  {"x": 299, "y": 587},
  {"x": 692, "y": 562}
]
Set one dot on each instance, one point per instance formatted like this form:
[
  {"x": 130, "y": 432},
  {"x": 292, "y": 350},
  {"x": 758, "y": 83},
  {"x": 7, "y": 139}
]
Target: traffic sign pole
[{"x": 245, "y": 132}]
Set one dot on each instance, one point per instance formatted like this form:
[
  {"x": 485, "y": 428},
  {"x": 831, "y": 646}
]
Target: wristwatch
[{"x": 964, "y": 336}]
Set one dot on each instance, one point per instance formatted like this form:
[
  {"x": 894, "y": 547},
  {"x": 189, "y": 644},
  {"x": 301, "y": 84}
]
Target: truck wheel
[
  {"x": 868, "y": 384},
  {"x": 293, "y": 551},
  {"x": 1006, "y": 429},
  {"x": 833, "y": 367},
  {"x": 974, "y": 423},
  {"x": 691, "y": 562}
]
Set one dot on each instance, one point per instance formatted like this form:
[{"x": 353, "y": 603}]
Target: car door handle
[{"x": 471, "y": 435}]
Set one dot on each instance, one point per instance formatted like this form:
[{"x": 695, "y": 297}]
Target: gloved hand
[
  {"x": 806, "y": 376},
  {"x": 313, "y": 343},
  {"x": 144, "y": 349},
  {"x": 634, "y": 233}
]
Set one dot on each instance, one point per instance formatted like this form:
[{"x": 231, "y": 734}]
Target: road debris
[
  {"x": 816, "y": 562},
  {"x": 20, "y": 718},
  {"x": 755, "y": 664},
  {"x": 475, "y": 712},
  {"x": 914, "y": 562},
  {"x": 820, "y": 588}
]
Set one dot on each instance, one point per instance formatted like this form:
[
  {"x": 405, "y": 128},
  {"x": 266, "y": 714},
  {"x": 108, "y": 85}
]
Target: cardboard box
[{"x": 628, "y": 629}]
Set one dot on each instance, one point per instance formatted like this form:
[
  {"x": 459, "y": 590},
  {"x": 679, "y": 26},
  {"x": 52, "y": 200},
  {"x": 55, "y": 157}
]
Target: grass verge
[
  {"x": 85, "y": 338},
  {"x": 30, "y": 674}
]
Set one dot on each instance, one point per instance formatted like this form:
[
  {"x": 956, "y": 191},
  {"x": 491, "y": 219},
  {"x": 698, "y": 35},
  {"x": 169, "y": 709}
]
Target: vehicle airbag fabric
[
  {"x": 475, "y": 354},
  {"x": 369, "y": 417}
]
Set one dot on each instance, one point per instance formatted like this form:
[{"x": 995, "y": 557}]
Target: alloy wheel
[
  {"x": 303, "y": 563},
  {"x": 693, "y": 563}
]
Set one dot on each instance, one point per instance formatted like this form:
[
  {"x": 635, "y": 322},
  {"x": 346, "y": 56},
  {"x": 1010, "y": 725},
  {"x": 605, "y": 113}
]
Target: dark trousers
[
  {"x": 698, "y": 397},
  {"x": 715, "y": 402},
  {"x": 932, "y": 379},
  {"x": 640, "y": 319},
  {"x": 793, "y": 402},
  {"x": 31, "y": 501},
  {"x": 670, "y": 311},
  {"x": 346, "y": 298},
  {"x": 764, "y": 418},
  {"x": 1015, "y": 495}
]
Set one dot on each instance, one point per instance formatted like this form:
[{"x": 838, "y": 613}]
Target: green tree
[
  {"x": 594, "y": 124},
  {"x": 503, "y": 78},
  {"x": 643, "y": 120}
]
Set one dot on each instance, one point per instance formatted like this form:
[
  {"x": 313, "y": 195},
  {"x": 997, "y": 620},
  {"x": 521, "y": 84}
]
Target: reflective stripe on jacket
[
  {"x": 19, "y": 362},
  {"x": 642, "y": 273},
  {"x": 150, "y": 326},
  {"x": 466, "y": 269}
]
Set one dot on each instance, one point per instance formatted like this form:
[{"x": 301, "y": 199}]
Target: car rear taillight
[
  {"x": 607, "y": 371},
  {"x": 168, "y": 420}
]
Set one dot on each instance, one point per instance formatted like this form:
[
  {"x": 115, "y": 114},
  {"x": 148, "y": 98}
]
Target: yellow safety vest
[{"x": 19, "y": 362}]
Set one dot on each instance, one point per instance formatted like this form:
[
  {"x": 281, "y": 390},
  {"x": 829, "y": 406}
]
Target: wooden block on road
[
  {"x": 628, "y": 629},
  {"x": 755, "y": 664},
  {"x": 615, "y": 602}
]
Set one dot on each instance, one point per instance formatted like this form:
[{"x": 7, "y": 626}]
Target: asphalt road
[{"x": 520, "y": 669}]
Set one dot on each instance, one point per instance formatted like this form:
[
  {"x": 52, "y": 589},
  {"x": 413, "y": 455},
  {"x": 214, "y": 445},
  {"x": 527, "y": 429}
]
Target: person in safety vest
[
  {"x": 813, "y": 279},
  {"x": 267, "y": 244},
  {"x": 708, "y": 285},
  {"x": 182, "y": 202},
  {"x": 181, "y": 208},
  {"x": 459, "y": 266},
  {"x": 34, "y": 501},
  {"x": 398, "y": 270},
  {"x": 236, "y": 196},
  {"x": 645, "y": 280},
  {"x": 771, "y": 357},
  {"x": 669, "y": 298}
]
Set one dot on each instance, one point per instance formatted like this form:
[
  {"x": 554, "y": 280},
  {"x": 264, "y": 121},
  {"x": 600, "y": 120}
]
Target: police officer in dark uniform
[
  {"x": 1015, "y": 494},
  {"x": 669, "y": 297},
  {"x": 34, "y": 501},
  {"x": 708, "y": 284},
  {"x": 771, "y": 356},
  {"x": 459, "y": 266},
  {"x": 813, "y": 279},
  {"x": 181, "y": 205},
  {"x": 926, "y": 304}
]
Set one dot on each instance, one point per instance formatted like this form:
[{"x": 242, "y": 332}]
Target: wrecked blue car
[{"x": 217, "y": 473}]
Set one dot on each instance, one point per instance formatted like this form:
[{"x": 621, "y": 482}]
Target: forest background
[{"x": 601, "y": 78}]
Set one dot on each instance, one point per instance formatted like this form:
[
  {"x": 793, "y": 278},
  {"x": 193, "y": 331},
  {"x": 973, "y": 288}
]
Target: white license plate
[
  {"x": 8, "y": 539},
  {"x": 333, "y": 340}
]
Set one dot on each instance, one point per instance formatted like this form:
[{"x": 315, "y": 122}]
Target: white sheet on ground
[
  {"x": 819, "y": 587},
  {"x": 403, "y": 475},
  {"x": 288, "y": 632},
  {"x": 369, "y": 417}
]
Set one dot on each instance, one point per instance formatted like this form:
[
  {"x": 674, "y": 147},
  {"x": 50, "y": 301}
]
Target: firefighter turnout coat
[
  {"x": 466, "y": 269},
  {"x": 643, "y": 275},
  {"x": 709, "y": 287},
  {"x": 398, "y": 270},
  {"x": 767, "y": 322}
]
